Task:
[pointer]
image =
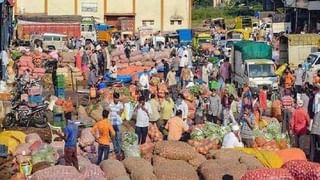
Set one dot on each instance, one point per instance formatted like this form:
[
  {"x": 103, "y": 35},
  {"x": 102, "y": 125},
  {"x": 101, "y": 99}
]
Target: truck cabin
[
  {"x": 259, "y": 74},
  {"x": 312, "y": 61},
  {"x": 255, "y": 70}
]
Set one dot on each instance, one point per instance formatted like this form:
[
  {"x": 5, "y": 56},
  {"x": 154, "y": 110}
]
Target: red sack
[
  {"x": 301, "y": 169},
  {"x": 267, "y": 174}
]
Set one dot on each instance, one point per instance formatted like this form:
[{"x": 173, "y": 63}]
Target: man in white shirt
[
  {"x": 116, "y": 109},
  {"x": 113, "y": 70},
  {"x": 143, "y": 111},
  {"x": 182, "y": 105},
  {"x": 144, "y": 84},
  {"x": 232, "y": 139}
]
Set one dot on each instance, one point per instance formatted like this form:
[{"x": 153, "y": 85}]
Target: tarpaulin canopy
[{"x": 253, "y": 50}]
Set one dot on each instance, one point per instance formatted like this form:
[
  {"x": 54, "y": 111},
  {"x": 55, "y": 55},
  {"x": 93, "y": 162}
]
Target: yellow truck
[
  {"x": 238, "y": 34},
  {"x": 200, "y": 39}
]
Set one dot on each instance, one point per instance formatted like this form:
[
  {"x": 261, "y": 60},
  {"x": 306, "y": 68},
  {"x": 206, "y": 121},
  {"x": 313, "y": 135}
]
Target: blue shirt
[{"x": 71, "y": 132}]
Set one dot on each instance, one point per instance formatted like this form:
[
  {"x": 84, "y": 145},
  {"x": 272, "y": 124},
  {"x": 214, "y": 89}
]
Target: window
[
  {"x": 89, "y": 7},
  {"x": 147, "y": 22},
  {"x": 173, "y": 22},
  {"x": 47, "y": 38},
  {"x": 56, "y": 38}
]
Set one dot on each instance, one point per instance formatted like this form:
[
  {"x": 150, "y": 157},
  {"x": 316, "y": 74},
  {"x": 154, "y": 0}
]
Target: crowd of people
[{"x": 294, "y": 105}]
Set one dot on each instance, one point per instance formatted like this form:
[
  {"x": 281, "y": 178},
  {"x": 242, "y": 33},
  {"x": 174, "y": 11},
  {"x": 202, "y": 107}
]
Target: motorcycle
[{"x": 24, "y": 115}]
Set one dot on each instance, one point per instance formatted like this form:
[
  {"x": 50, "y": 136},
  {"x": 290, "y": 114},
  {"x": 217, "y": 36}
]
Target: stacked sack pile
[
  {"x": 33, "y": 62},
  {"x": 35, "y": 151},
  {"x": 139, "y": 59},
  {"x": 295, "y": 169}
]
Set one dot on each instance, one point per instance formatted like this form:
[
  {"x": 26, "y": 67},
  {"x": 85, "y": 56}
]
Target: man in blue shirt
[{"x": 70, "y": 137}]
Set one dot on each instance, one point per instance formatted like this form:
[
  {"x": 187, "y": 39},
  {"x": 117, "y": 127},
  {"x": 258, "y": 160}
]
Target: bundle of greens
[
  {"x": 123, "y": 91},
  {"x": 210, "y": 131},
  {"x": 130, "y": 145},
  {"x": 196, "y": 90},
  {"x": 271, "y": 132}
]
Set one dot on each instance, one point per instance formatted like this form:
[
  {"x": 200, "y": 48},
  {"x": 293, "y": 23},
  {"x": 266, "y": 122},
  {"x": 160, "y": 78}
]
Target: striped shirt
[{"x": 287, "y": 102}]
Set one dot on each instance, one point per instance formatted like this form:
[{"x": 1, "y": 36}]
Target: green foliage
[{"x": 230, "y": 10}]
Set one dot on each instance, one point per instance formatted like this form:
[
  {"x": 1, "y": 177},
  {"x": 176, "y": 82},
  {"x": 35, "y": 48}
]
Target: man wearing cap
[
  {"x": 232, "y": 139},
  {"x": 299, "y": 122}
]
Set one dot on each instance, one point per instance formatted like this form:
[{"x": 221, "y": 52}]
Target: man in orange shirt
[
  {"x": 176, "y": 127},
  {"x": 289, "y": 80},
  {"x": 102, "y": 131}
]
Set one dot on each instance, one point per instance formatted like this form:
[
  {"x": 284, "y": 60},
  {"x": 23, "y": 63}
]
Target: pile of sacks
[
  {"x": 36, "y": 151},
  {"x": 26, "y": 62},
  {"x": 138, "y": 59},
  {"x": 295, "y": 169}
]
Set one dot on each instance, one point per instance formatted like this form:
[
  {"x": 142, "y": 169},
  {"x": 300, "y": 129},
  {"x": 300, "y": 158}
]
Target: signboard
[{"x": 89, "y": 7}]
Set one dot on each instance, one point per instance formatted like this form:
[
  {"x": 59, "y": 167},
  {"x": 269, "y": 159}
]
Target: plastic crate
[
  {"x": 57, "y": 117},
  {"x": 3, "y": 150},
  {"x": 60, "y": 92},
  {"x": 60, "y": 77},
  {"x": 35, "y": 99},
  {"x": 60, "y": 85}
]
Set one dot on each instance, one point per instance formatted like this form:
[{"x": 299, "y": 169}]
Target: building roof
[{"x": 61, "y": 19}]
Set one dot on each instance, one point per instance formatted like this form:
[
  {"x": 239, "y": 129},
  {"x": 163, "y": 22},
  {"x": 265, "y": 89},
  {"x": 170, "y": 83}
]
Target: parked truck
[
  {"x": 200, "y": 39},
  {"x": 185, "y": 36},
  {"x": 252, "y": 64},
  {"x": 71, "y": 26},
  {"x": 295, "y": 48}
]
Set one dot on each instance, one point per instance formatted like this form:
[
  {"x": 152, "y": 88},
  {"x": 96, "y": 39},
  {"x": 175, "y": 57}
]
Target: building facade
[{"x": 161, "y": 15}]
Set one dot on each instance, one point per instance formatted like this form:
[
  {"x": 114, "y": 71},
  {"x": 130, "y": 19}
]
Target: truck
[
  {"x": 104, "y": 32},
  {"x": 71, "y": 26},
  {"x": 312, "y": 66},
  {"x": 185, "y": 36},
  {"x": 294, "y": 48},
  {"x": 200, "y": 39},
  {"x": 252, "y": 65}
]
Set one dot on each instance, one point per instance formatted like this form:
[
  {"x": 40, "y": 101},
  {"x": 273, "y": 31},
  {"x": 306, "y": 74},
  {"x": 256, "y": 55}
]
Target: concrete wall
[
  {"x": 176, "y": 8},
  {"x": 60, "y": 7},
  {"x": 159, "y": 11},
  {"x": 30, "y": 7},
  {"x": 148, "y": 10},
  {"x": 119, "y": 7},
  {"x": 99, "y": 14}
]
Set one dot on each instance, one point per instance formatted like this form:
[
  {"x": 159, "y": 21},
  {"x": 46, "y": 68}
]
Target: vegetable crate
[
  {"x": 58, "y": 120},
  {"x": 35, "y": 99},
  {"x": 60, "y": 81},
  {"x": 3, "y": 150},
  {"x": 60, "y": 92}
]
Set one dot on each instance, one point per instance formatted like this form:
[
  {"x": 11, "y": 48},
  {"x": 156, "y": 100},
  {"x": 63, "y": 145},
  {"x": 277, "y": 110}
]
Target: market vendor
[
  {"x": 233, "y": 138},
  {"x": 113, "y": 70},
  {"x": 144, "y": 84},
  {"x": 177, "y": 128},
  {"x": 70, "y": 136}
]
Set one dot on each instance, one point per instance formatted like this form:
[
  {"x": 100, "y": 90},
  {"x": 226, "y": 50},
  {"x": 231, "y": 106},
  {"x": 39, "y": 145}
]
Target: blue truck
[{"x": 185, "y": 36}]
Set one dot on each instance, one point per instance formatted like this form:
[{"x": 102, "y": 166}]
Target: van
[{"x": 51, "y": 41}]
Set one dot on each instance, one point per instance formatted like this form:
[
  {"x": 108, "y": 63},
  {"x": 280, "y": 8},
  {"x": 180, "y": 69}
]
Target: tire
[
  {"x": 8, "y": 121},
  {"x": 40, "y": 120}
]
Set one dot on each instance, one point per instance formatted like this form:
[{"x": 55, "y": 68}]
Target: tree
[{"x": 202, "y": 3}]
